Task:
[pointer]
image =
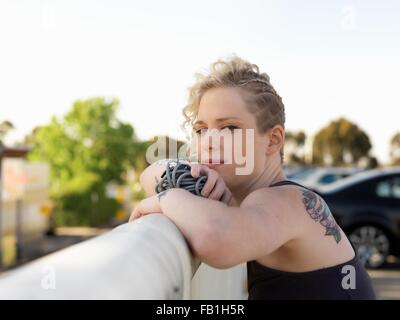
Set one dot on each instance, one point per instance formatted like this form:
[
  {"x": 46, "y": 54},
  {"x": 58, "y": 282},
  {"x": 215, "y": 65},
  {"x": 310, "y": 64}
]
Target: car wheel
[{"x": 372, "y": 245}]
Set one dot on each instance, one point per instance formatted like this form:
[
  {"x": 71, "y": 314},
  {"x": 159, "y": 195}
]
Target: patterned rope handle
[{"x": 177, "y": 175}]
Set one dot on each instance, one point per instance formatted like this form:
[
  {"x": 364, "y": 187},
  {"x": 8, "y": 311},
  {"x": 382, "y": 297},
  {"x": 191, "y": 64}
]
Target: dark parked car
[{"x": 367, "y": 207}]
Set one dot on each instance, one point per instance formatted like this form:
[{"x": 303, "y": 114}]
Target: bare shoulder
[
  {"x": 286, "y": 198},
  {"x": 310, "y": 208},
  {"x": 266, "y": 196},
  {"x": 285, "y": 204},
  {"x": 298, "y": 208}
]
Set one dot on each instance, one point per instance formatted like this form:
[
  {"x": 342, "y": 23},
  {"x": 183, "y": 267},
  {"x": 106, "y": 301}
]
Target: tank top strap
[{"x": 286, "y": 182}]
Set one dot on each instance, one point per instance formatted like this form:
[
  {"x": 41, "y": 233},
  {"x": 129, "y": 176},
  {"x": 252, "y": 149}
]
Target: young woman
[{"x": 293, "y": 247}]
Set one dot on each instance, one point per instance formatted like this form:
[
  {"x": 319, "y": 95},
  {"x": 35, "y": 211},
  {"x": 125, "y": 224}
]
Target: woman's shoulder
[
  {"x": 309, "y": 207},
  {"x": 280, "y": 201},
  {"x": 290, "y": 195},
  {"x": 289, "y": 201}
]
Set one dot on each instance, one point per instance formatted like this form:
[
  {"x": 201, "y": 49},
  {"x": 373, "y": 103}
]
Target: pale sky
[{"x": 326, "y": 59}]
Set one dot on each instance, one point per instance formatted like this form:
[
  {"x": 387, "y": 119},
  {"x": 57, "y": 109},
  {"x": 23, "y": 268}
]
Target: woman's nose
[{"x": 213, "y": 137}]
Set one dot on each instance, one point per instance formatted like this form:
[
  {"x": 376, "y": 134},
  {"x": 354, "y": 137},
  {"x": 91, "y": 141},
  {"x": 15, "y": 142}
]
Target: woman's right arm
[{"x": 151, "y": 175}]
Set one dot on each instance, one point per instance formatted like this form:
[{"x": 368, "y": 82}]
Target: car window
[
  {"x": 328, "y": 178},
  {"x": 383, "y": 189},
  {"x": 332, "y": 177},
  {"x": 301, "y": 175},
  {"x": 389, "y": 188},
  {"x": 396, "y": 188}
]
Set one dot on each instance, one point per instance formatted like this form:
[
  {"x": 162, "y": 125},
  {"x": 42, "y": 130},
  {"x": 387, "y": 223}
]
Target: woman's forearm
[
  {"x": 196, "y": 217},
  {"x": 150, "y": 176}
]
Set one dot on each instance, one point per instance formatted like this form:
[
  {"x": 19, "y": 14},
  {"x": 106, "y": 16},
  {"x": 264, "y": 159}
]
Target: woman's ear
[{"x": 276, "y": 139}]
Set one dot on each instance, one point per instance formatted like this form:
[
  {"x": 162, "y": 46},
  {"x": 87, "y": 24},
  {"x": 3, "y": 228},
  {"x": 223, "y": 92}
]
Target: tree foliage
[
  {"x": 340, "y": 143},
  {"x": 86, "y": 149}
]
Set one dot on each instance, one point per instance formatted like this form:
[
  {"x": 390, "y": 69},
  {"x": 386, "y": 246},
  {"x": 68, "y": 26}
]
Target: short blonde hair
[{"x": 262, "y": 99}]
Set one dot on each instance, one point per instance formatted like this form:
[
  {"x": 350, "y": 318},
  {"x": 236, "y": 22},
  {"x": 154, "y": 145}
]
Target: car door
[{"x": 387, "y": 192}]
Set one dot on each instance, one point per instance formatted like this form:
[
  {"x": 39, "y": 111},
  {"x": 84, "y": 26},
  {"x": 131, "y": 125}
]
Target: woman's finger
[
  {"x": 226, "y": 197},
  {"x": 218, "y": 190},
  {"x": 195, "y": 170},
  {"x": 138, "y": 211},
  {"x": 204, "y": 169},
  {"x": 212, "y": 178},
  {"x": 134, "y": 215}
]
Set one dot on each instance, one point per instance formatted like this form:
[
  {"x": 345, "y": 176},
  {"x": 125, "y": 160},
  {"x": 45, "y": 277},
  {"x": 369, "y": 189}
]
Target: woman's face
[{"x": 221, "y": 111}]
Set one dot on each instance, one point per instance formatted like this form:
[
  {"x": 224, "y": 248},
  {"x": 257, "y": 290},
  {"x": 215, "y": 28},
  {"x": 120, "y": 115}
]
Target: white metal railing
[{"x": 145, "y": 259}]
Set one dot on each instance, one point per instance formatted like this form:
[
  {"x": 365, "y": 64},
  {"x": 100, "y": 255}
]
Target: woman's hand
[
  {"x": 215, "y": 187},
  {"x": 148, "y": 205}
]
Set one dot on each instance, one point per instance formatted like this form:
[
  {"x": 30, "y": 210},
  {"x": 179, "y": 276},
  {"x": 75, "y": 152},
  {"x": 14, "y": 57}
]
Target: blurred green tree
[
  {"x": 86, "y": 149},
  {"x": 340, "y": 143}
]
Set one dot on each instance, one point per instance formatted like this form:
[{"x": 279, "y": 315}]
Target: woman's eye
[
  {"x": 230, "y": 127},
  {"x": 201, "y": 131}
]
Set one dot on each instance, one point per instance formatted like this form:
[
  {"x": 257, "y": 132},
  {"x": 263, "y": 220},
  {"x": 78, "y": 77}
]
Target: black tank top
[{"x": 265, "y": 283}]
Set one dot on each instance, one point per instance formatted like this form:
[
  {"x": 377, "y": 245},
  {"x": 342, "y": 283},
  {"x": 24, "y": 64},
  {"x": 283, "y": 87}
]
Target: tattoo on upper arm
[{"x": 319, "y": 211}]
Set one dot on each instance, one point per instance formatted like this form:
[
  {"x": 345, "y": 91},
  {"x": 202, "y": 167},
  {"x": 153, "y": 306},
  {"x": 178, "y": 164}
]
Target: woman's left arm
[
  {"x": 195, "y": 216},
  {"x": 220, "y": 235}
]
